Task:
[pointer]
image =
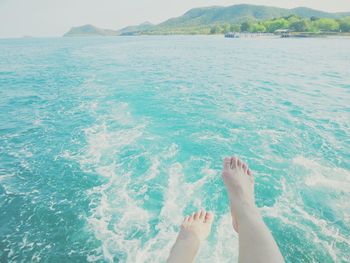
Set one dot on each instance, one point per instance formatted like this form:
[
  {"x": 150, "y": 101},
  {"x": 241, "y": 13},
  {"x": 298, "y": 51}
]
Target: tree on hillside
[
  {"x": 301, "y": 26},
  {"x": 273, "y": 25},
  {"x": 215, "y": 29},
  {"x": 246, "y": 26},
  {"x": 235, "y": 28},
  {"x": 344, "y": 25},
  {"x": 225, "y": 28},
  {"x": 257, "y": 27},
  {"x": 292, "y": 18},
  {"x": 326, "y": 24}
]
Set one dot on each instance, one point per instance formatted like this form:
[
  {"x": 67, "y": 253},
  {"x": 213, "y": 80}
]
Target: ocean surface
[{"x": 107, "y": 143}]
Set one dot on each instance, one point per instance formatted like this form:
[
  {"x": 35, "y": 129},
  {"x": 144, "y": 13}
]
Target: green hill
[
  {"x": 89, "y": 30},
  {"x": 130, "y": 30},
  {"x": 200, "y": 20},
  {"x": 231, "y": 14}
]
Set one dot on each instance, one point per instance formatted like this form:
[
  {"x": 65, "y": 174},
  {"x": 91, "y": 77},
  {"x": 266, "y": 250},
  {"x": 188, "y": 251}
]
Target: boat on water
[
  {"x": 232, "y": 35},
  {"x": 248, "y": 35}
]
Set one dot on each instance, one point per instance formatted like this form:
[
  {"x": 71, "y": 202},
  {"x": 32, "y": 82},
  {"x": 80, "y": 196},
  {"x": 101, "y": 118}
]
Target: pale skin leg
[
  {"x": 194, "y": 230},
  {"x": 256, "y": 243}
]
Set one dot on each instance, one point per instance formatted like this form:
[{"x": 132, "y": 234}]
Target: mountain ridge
[
  {"x": 201, "y": 17},
  {"x": 88, "y": 30}
]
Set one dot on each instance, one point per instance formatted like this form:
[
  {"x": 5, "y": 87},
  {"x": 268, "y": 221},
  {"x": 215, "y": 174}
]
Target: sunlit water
[{"x": 106, "y": 143}]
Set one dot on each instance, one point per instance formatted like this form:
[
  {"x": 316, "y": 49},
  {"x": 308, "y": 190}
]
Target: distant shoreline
[
  {"x": 235, "y": 18},
  {"x": 329, "y": 36}
]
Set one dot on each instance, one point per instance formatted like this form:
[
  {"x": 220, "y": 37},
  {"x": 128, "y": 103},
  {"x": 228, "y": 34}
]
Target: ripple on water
[{"x": 106, "y": 144}]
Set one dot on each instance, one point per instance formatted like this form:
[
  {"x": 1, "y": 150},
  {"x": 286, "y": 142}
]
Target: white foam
[
  {"x": 157, "y": 248},
  {"x": 210, "y": 136},
  {"x": 322, "y": 176},
  {"x": 101, "y": 141},
  {"x": 176, "y": 197},
  {"x": 224, "y": 248},
  {"x": 115, "y": 214},
  {"x": 153, "y": 171},
  {"x": 290, "y": 209},
  {"x": 118, "y": 218}
]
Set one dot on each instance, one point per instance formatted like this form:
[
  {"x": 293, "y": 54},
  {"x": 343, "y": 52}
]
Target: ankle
[
  {"x": 247, "y": 210},
  {"x": 184, "y": 250},
  {"x": 188, "y": 238}
]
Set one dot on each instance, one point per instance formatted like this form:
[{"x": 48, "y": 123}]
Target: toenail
[{"x": 232, "y": 163}]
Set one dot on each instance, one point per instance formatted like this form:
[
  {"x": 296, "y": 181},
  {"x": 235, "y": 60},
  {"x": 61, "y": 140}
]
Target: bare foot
[
  {"x": 239, "y": 183},
  {"x": 198, "y": 225},
  {"x": 194, "y": 230}
]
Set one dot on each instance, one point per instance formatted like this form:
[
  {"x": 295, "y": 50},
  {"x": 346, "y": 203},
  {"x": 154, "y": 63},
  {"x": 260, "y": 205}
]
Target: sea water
[{"x": 107, "y": 143}]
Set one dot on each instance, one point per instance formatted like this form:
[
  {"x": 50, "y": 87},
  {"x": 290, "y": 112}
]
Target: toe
[
  {"x": 202, "y": 215},
  {"x": 249, "y": 172},
  {"x": 227, "y": 161},
  {"x": 185, "y": 222},
  {"x": 190, "y": 218},
  {"x": 244, "y": 167},
  {"x": 208, "y": 217},
  {"x": 233, "y": 163},
  {"x": 239, "y": 163},
  {"x": 196, "y": 215}
]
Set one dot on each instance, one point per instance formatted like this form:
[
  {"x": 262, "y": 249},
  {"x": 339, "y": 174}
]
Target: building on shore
[
  {"x": 283, "y": 32},
  {"x": 247, "y": 35}
]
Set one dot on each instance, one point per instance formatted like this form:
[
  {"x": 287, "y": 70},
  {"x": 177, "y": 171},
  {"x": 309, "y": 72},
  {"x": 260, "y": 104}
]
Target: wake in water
[{"x": 102, "y": 157}]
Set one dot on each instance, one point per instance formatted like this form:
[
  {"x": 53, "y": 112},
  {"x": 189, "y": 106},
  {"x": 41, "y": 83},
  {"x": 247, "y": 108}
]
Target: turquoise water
[{"x": 106, "y": 143}]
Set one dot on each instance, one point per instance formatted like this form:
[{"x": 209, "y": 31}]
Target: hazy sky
[{"x": 55, "y": 17}]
